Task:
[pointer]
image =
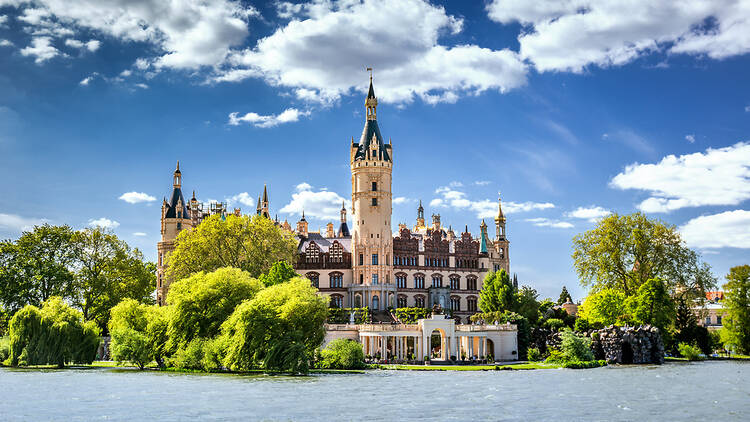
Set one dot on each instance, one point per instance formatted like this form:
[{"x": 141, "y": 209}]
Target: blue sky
[{"x": 570, "y": 110}]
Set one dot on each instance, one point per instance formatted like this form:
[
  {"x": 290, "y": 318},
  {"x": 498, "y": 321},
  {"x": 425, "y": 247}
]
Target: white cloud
[
  {"x": 187, "y": 34},
  {"x": 139, "y": 234},
  {"x": 730, "y": 229},
  {"x": 41, "y": 49},
  {"x": 17, "y": 223},
  {"x": 104, "y": 223},
  {"x": 482, "y": 182},
  {"x": 86, "y": 81},
  {"x": 243, "y": 198},
  {"x": 141, "y": 86},
  {"x": 321, "y": 53},
  {"x": 125, "y": 73},
  {"x": 93, "y": 45},
  {"x": 257, "y": 120},
  {"x": 5, "y": 43},
  {"x": 690, "y": 138},
  {"x": 3, "y": 20},
  {"x": 321, "y": 204},
  {"x": 592, "y": 213},
  {"x": 715, "y": 177},
  {"x": 483, "y": 208},
  {"x": 136, "y": 197},
  {"x": 573, "y": 34},
  {"x": 546, "y": 222},
  {"x": 401, "y": 200}
]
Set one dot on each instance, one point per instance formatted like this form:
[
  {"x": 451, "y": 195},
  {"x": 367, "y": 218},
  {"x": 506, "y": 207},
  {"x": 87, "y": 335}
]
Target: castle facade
[{"x": 369, "y": 265}]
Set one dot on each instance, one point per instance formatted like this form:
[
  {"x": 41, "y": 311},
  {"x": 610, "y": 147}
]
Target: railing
[
  {"x": 499, "y": 327},
  {"x": 389, "y": 327}
]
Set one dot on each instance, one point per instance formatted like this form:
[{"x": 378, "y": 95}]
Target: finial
[
  {"x": 369, "y": 69},
  {"x": 343, "y": 205},
  {"x": 178, "y": 165}
]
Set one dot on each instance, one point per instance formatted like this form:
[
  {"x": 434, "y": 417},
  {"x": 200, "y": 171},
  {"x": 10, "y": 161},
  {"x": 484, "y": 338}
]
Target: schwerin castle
[{"x": 370, "y": 266}]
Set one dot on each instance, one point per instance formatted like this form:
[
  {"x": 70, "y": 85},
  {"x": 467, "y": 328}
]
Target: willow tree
[
  {"x": 737, "y": 304},
  {"x": 250, "y": 244},
  {"x": 624, "y": 251}
]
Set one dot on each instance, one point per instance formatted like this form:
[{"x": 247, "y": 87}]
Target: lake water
[{"x": 675, "y": 391}]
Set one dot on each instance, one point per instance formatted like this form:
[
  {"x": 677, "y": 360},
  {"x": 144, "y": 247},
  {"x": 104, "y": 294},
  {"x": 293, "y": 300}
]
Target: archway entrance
[
  {"x": 490, "y": 348},
  {"x": 627, "y": 353},
  {"x": 357, "y": 301},
  {"x": 438, "y": 348}
]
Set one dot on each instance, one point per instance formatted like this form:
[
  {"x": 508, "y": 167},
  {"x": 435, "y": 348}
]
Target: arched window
[
  {"x": 471, "y": 283},
  {"x": 375, "y": 303},
  {"x": 419, "y": 301},
  {"x": 312, "y": 253},
  {"x": 401, "y": 280},
  {"x": 336, "y": 280},
  {"x": 437, "y": 280},
  {"x": 314, "y": 279},
  {"x": 336, "y": 252},
  {"x": 455, "y": 282},
  {"x": 471, "y": 304},
  {"x": 337, "y": 301},
  {"x": 419, "y": 281},
  {"x": 455, "y": 303},
  {"x": 357, "y": 301},
  {"x": 401, "y": 301}
]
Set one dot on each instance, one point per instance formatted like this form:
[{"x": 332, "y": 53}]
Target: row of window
[
  {"x": 411, "y": 261},
  {"x": 336, "y": 280},
  {"x": 337, "y": 301}
]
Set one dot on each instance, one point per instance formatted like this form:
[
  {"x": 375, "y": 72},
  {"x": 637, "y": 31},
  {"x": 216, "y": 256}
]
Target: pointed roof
[
  {"x": 500, "y": 216},
  {"x": 371, "y": 132},
  {"x": 265, "y": 194},
  {"x": 178, "y": 167},
  {"x": 420, "y": 206},
  {"x": 371, "y": 92}
]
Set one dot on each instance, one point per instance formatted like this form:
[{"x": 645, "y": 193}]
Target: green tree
[
  {"x": 279, "y": 273},
  {"x": 342, "y": 354},
  {"x": 527, "y": 304},
  {"x": 138, "y": 332},
  {"x": 108, "y": 271},
  {"x": 624, "y": 251},
  {"x": 737, "y": 308},
  {"x": 564, "y": 296},
  {"x": 278, "y": 330},
  {"x": 498, "y": 293},
  {"x": 203, "y": 301},
  {"x": 36, "y": 266},
  {"x": 652, "y": 305},
  {"x": 55, "y": 334},
  {"x": 605, "y": 306},
  {"x": 251, "y": 244}
]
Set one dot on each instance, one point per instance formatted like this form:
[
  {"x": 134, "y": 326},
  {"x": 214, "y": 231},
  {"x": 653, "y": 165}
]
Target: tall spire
[
  {"x": 343, "y": 212},
  {"x": 265, "y": 194},
  {"x": 371, "y": 103},
  {"x": 177, "y": 180},
  {"x": 499, "y": 220}
]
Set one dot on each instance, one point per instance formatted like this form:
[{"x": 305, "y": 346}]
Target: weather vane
[{"x": 369, "y": 69}]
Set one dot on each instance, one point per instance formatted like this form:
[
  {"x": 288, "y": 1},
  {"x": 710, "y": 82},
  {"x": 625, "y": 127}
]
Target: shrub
[
  {"x": 582, "y": 325},
  {"x": 4, "y": 349},
  {"x": 575, "y": 347},
  {"x": 554, "y": 324},
  {"x": 584, "y": 365},
  {"x": 689, "y": 352},
  {"x": 411, "y": 315},
  {"x": 190, "y": 356},
  {"x": 342, "y": 354},
  {"x": 534, "y": 355}
]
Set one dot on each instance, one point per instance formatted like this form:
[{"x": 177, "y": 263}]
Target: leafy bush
[
  {"x": 534, "y": 355},
  {"x": 582, "y": 325},
  {"x": 53, "y": 335},
  {"x": 190, "y": 356},
  {"x": 342, "y": 354},
  {"x": 554, "y": 324},
  {"x": 411, "y": 315},
  {"x": 4, "y": 349},
  {"x": 689, "y": 352},
  {"x": 584, "y": 365},
  {"x": 138, "y": 332},
  {"x": 342, "y": 315},
  {"x": 575, "y": 347}
]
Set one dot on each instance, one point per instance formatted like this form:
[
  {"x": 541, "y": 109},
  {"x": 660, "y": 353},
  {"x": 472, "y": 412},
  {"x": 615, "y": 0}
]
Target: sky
[{"x": 568, "y": 110}]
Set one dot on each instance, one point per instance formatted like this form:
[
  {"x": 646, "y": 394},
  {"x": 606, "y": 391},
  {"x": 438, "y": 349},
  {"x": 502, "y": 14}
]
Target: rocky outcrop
[{"x": 641, "y": 344}]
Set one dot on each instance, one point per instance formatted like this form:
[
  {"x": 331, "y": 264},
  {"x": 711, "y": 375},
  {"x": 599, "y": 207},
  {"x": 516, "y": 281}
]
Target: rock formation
[{"x": 641, "y": 344}]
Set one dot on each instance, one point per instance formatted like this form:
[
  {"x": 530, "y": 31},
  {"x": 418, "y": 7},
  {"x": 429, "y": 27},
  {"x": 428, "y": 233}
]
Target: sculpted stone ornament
[{"x": 437, "y": 309}]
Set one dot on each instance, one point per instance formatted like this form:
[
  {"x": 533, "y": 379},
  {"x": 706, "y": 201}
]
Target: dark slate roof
[
  {"x": 371, "y": 93},
  {"x": 371, "y": 129},
  {"x": 344, "y": 230},
  {"x": 172, "y": 206},
  {"x": 325, "y": 242}
]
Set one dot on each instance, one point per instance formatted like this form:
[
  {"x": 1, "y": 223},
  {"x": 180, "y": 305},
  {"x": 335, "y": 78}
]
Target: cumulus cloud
[
  {"x": 714, "y": 177},
  {"x": 546, "y": 222},
  {"x": 592, "y": 213},
  {"x": 5, "y": 43},
  {"x": 257, "y": 120},
  {"x": 17, "y": 223},
  {"x": 87, "y": 80},
  {"x": 401, "y": 200},
  {"x": 139, "y": 234},
  {"x": 690, "y": 138},
  {"x": 41, "y": 49},
  {"x": 136, "y": 197},
  {"x": 482, "y": 182},
  {"x": 187, "y": 34},
  {"x": 321, "y": 204},
  {"x": 573, "y": 34},
  {"x": 243, "y": 198},
  {"x": 321, "y": 52},
  {"x": 485, "y": 208},
  {"x": 91, "y": 45},
  {"x": 104, "y": 223},
  {"x": 730, "y": 229}
]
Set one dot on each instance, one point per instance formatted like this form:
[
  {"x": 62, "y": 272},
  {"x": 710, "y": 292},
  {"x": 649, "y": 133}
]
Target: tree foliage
[
  {"x": 606, "y": 306},
  {"x": 279, "y": 273},
  {"x": 564, "y": 296},
  {"x": 737, "y": 307},
  {"x": 56, "y": 334},
  {"x": 203, "y": 301},
  {"x": 624, "y": 251},
  {"x": 138, "y": 332},
  {"x": 278, "y": 330},
  {"x": 342, "y": 354},
  {"x": 652, "y": 305},
  {"x": 498, "y": 293},
  {"x": 251, "y": 244}
]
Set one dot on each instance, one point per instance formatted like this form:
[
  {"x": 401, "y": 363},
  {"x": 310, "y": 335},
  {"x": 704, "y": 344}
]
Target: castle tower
[
  {"x": 420, "y": 217},
  {"x": 175, "y": 217},
  {"x": 343, "y": 227},
  {"x": 302, "y": 226},
  {"x": 372, "y": 245},
  {"x": 263, "y": 210},
  {"x": 499, "y": 259}
]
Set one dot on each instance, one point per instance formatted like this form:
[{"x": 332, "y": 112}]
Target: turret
[
  {"x": 499, "y": 222},
  {"x": 302, "y": 226}
]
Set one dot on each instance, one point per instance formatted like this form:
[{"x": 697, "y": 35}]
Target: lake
[{"x": 716, "y": 390}]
